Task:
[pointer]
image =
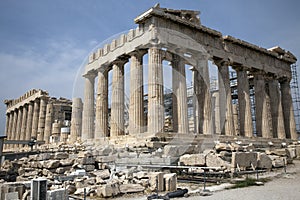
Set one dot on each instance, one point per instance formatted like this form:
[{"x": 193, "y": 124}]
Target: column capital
[
  {"x": 90, "y": 75},
  {"x": 284, "y": 79},
  {"x": 138, "y": 53},
  {"x": 221, "y": 62},
  {"x": 120, "y": 61}
]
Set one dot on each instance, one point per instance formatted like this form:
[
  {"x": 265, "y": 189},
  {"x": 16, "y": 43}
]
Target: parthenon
[
  {"x": 179, "y": 37},
  {"x": 36, "y": 115}
]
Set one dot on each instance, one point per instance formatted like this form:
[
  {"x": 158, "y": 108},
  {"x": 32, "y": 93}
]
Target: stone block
[
  {"x": 192, "y": 159},
  {"x": 297, "y": 148},
  {"x": 12, "y": 196},
  {"x": 156, "y": 181},
  {"x": 131, "y": 188},
  {"x": 140, "y": 175},
  {"x": 109, "y": 190},
  {"x": 61, "y": 155},
  {"x": 51, "y": 164},
  {"x": 67, "y": 162},
  {"x": 277, "y": 152},
  {"x": 103, "y": 174},
  {"x": 291, "y": 152},
  {"x": 222, "y": 147},
  {"x": 170, "y": 181},
  {"x": 264, "y": 161},
  {"x": 213, "y": 160},
  {"x": 89, "y": 168},
  {"x": 178, "y": 150},
  {"x": 58, "y": 194},
  {"x": 278, "y": 161},
  {"x": 244, "y": 159}
]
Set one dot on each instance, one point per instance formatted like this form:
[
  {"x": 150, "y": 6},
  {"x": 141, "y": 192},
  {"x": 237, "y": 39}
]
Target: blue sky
[{"x": 43, "y": 43}]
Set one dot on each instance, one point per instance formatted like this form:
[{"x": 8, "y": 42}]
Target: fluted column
[
  {"x": 19, "y": 125},
  {"x": 76, "y": 121},
  {"x": 155, "y": 91},
  {"x": 136, "y": 106},
  {"x": 42, "y": 119},
  {"x": 204, "y": 97},
  {"x": 88, "y": 118},
  {"x": 288, "y": 112},
  {"x": 7, "y": 123},
  {"x": 10, "y": 127},
  {"x": 276, "y": 109},
  {"x": 24, "y": 122},
  {"x": 15, "y": 123},
  {"x": 117, "y": 100},
  {"x": 226, "y": 114},
  {"x": 261, "y": 107},
  {"x": 102, "y": 106},
  {"x": 48, "y": 122},
  {"x": 29, "y": 121},
  {"x": 180, "y": 114},
  {"x": 35, "y": 119},
  {"x": 196, "y": 95},
  {"x": 245, "y": 116}
]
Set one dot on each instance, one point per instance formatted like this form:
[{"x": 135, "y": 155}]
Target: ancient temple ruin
[
  {"x": 36, "y": 115},
  {"x": 179, "y": 37}
]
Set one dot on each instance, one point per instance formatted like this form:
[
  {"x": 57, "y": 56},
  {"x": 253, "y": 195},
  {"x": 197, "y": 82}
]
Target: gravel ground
[{"x": 282, "y": 187}]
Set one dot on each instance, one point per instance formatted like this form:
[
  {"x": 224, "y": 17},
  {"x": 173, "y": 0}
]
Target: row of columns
[
  {"x": 274, "y": 111},
  {"x": 31, "y": 120}
]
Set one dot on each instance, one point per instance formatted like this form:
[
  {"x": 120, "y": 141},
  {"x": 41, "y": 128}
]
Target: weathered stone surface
[
  {"x": 291, "y": 152},
  {"x": 244, "y": 159},
  {"x": 67, "y": 162},
  {"x": 61, "y": 155},
  {"x": 12, "y": 196},
  {"x": 109, "y": 190},
  {"x": 170, "y": 182},
  {"x": 61, "y": 194},
  {"x": 131, "y": 188},
  {"x": 213, "y": 160},
  {"x": 277, "y": 152},
  {"x": 103, "y": 174},
  {"x": 278, "y": 161},
  {"x": 51, "y": 164},
  {"x": 222, "y": 147},
  {"x": 192, "y": 159},
  {"x": 156, "y": 181},
  {"x": 264, "y": 161},
  {"x": 178, "y": 150}
]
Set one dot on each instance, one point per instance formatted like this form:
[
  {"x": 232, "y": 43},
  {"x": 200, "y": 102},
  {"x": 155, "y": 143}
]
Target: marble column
[
  {"x": 29, "y": 121},
  {"x": 155, "y": 91},
  {"x": 136, "y": 104},
  {"x": 288, "y": 112},
  {"x": 196, "y": 95},
  {"x": 10, "y": 127},
  {"x": 216, "y": 112},
  {"x": 204, "y": 97},
  {"x": 15, "y": 123},
  {"x": 48, "y": 122},
  {"x": 235, "y": 118},
  {"x": 276, "y": 109},
  {"x": 76, "y": 121},
  {"x": 19, "y": 125},
  {"x": 35, "y": 118},
  {"x": 7, "y": 123},
  {"x": 244, "y": 106},
  {"x": 226, "y": 114},
  {"x": 24, "y": 122},
  {"x": 117, "y": 127},
  {"x": 261, "y": 107},
  {"x": 42, "y": 119},
  {"x": 180, "y": 113},
  {"x": 102, "y": 106},
  {"x": 88, "y": 118}
]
